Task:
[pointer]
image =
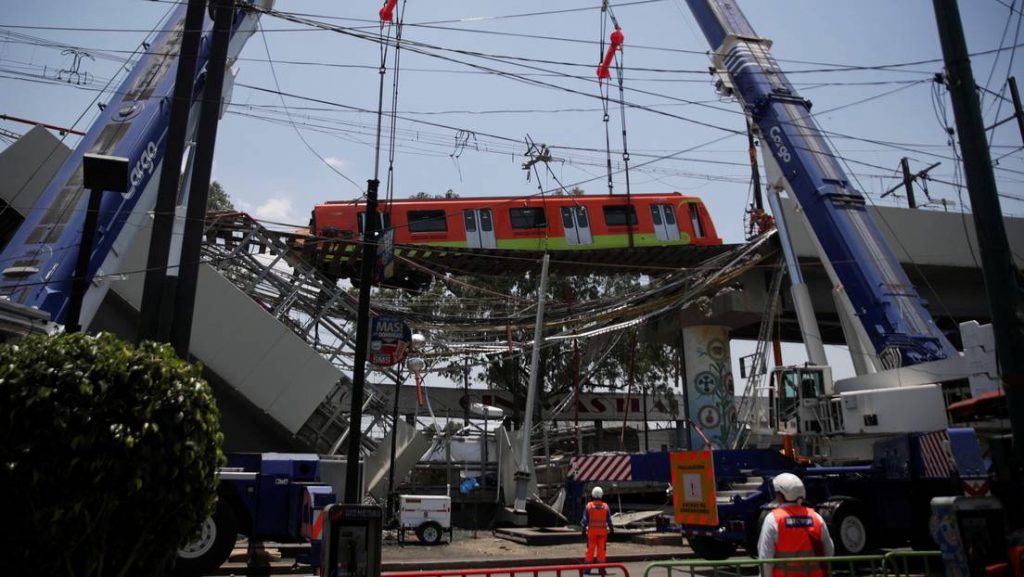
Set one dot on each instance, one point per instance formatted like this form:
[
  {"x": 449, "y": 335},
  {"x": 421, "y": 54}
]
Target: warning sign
[{"x": 693, "y": 488}]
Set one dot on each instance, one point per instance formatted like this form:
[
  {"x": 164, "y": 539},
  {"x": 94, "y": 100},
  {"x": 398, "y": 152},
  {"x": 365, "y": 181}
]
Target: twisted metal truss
[{"x": 267, "y": 265}]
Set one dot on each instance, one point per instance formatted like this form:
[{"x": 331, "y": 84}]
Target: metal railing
[
  {"x": 609, "y": 569},
  {"x": 900, "y": 563}
]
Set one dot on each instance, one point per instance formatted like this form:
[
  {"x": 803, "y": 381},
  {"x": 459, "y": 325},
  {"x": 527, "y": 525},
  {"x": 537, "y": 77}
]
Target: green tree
[
  {"x": 109, "y": 455},
  {"x": 218, "y": 198}
]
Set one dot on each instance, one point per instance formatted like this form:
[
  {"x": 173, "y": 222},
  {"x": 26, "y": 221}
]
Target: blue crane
[
  {"x": 887, "y": 306},
  {"x": 38, "y": 263}
]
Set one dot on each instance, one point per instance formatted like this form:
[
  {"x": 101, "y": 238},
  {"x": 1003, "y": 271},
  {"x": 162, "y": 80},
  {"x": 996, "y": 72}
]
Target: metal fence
[
  {"x": 568, "y": 570},
  {"x": 901, "y": 563}
]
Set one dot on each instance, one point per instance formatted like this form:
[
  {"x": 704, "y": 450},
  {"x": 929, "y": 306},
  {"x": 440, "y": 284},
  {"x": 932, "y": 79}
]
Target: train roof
[{"x": 499, "y": 199}]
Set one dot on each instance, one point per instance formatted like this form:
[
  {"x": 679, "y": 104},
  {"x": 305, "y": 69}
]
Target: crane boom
[
  {"x": 885, "y": 303},
  {"x": 39, "y": 261}
]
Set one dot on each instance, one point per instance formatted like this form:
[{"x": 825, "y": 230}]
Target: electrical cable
[{"x": 273, "y": 74}]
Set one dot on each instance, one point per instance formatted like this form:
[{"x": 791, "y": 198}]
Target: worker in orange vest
[
  {"x": 793, "y": 530},
  {"x": 597, "y": 523}
]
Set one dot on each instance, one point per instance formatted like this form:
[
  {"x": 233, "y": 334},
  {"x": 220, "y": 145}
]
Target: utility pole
[
  {"x": 908, "y": 182},
  {"x": 199, "y": 186},
  {"x": 355, "y": 419},
  {"x": 522, "y": 475},
  {"x": 1017, "y": 112},
  {"x": 158, "y": 294},
  {"x": 1005, "y": 298},
  {"x": 99, "y": 172},
  {"x": 465, "y": 392},
  {"x": 394, "y": 447}
]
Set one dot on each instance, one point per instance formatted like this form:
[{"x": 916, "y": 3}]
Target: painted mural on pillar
[{"x": 710, "y": 382}]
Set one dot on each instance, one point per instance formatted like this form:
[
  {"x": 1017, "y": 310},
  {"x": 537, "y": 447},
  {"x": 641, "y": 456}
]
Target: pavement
[
  {"x": 477, "y": 550},
  {"x": 469, "y": 549}
]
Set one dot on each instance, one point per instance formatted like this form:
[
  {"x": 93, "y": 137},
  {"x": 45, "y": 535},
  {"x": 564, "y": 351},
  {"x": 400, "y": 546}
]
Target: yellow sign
[{"x": 693, "y": 488}]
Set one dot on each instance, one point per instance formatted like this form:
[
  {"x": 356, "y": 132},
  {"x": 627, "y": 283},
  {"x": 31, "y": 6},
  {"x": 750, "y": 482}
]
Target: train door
[
  {"x": 665, "y": 227},
  {"x": 576, "y": 224},
  {"x": 479, "y": 228}
]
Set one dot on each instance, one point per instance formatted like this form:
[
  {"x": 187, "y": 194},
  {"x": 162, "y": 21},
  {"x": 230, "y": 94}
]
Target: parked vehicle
[{"x": 265, "y": 497}]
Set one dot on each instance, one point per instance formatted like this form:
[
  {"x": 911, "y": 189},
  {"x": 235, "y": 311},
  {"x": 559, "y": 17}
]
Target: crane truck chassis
[
  {"x": 276, "y": 497},
  {"x": 882, "y": 504}
]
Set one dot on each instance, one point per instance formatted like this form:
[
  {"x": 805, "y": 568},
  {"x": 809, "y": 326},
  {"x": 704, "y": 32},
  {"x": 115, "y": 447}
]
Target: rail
[
  {"x": 900, "y": 563},
  {"x": 610, "y": 569}
]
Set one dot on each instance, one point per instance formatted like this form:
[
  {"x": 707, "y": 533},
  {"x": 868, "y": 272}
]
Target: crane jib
[
  {"x": 881, "y": 296},
  {"x": 39, "y": 260}
]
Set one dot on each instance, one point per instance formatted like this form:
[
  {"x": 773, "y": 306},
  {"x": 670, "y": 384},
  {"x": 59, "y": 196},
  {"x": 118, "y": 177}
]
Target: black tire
[
  {"x": 213, "y": 546},
  {"x": 429, "y": 533},
  {"x": 712, "y": 549},
  {"x": 851, "y": 530}
]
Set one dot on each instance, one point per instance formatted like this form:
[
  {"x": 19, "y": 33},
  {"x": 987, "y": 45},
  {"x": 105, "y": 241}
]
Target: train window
[
  {"x": 670, "y": 215},
  {"x": 527, "y": 217},
  {"x": 485, "y": 220},
  {"x": 698, "y": 228},
  {"x": 427, "y": 221},
  {"x": 581, "y": 216},
  {"x": 385, "y": 221},
  {"x": 615, "y": 214}
]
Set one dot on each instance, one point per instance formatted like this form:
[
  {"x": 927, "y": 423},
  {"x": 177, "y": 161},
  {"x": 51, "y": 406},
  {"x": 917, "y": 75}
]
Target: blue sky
[{"x": 474, "y": 114}]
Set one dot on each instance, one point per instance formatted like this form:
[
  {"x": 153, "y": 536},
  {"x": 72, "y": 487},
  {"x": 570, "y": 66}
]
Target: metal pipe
[
  {"x": 523, "y": 474},
  {"x": 801, "y": 296}
]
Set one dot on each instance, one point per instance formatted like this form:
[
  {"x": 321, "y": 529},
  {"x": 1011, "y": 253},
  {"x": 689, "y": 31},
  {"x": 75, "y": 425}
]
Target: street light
[
  {"x": 415, "y": 366},
  {"x": 99, "y": 172}
]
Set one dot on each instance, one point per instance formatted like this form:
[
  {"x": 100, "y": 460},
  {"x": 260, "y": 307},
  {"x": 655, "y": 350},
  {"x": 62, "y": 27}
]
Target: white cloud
[
  {"x": 335, "y": 162},
  {"x": 276, "y": 209}
]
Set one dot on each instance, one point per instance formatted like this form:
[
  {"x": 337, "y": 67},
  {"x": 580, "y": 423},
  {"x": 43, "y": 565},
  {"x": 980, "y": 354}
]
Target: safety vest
[
  {"x": 799, "y": 536},
  {"x": 597, "y": 516}
]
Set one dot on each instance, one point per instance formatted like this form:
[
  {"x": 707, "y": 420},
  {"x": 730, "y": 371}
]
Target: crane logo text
[
  {"x": 144, "y": 167},
  {"x": 776, "y": 135}
]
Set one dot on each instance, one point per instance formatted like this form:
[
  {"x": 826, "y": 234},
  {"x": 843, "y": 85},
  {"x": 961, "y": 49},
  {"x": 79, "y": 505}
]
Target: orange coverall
[{"x": 597, "y": 522}]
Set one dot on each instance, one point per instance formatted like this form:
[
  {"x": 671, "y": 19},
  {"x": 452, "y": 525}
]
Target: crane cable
[
  {"x": 614, "y": 53},
  {"x": 386, "y": 21}
]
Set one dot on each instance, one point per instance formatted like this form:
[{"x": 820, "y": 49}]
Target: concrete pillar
[{"x": 709, "y": 384}]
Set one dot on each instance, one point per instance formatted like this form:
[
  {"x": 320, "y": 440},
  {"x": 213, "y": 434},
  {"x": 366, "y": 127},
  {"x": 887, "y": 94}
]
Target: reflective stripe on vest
[
  {"x": 597, "y": 515},
  {"x": 799, "y": 536}
]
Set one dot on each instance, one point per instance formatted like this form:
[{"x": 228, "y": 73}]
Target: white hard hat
[
  {"x": 791, "y": 487},
  {"x": 597, "y": 493}
]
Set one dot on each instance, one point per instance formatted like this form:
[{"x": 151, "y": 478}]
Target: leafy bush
[{"x": 108, "y": 455}]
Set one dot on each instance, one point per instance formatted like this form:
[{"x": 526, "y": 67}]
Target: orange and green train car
[{"x": 535, "y": 223}]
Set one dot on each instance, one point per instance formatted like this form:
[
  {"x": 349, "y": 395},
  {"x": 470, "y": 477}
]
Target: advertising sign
[{"x": 389, "y": 340}]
